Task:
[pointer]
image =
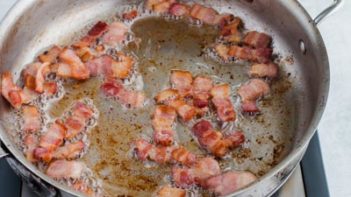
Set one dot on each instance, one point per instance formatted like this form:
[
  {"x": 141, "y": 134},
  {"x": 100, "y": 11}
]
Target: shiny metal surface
[
  {"x": 329, "y": 10},
  {"x": 33, "y": 25}
]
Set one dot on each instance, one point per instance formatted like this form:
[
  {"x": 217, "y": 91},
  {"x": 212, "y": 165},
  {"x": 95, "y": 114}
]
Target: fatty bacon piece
[
  {"x": 30, "y": 142},
  {"x": 261, "y": 55},
  {"x": 71, "y": 66},
  {"x": 50, "y": 141},
  {"x": 159, "y": 6},
  {"x": 31, "y": 119},
  {"x": 204, "y": 14},
  {"x": 126, "y": 97},
  {"x": 257, "y": 40},
  {"x": 63, "y": 169},
  {"x": 169, "y": 191},
  {"x": 201, "y": 91},
  {"x": 116, "y": 34},
  {"x": 269, "y": 70},
  {"x": 77, "y": 121},
  {"x": 250, "y": 92},
  {"x": 196, "y": 174},
  {"x": 214, "y": 141},
  {"x": 95, "y": 32},
  {"x": 69, "y": 151},
  {"x": 34, "y": 76},
  {"x": 172, "y": 98},
  {"x": 182, "y": 80},
  {"x": 163, "y": 154},
  {"x": 11, "y": 92},
  {"x": 110, "y": 68},
  {"x": 179, "y": 9},
  {"x": 50, "y": 56},
  {"x": 221, "y": 100},
  {"x": 162, "y": 123},
  {"x": 229, "y": 182}
]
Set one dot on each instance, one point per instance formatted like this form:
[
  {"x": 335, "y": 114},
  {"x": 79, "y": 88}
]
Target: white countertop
[{"x": 335, "y": 127}]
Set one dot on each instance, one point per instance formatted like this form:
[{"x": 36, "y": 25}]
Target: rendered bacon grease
[{"x": 57, "y": 145}]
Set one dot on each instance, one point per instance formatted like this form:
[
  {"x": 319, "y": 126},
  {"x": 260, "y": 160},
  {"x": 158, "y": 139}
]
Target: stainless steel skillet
[{"x": 31, "y": 26}]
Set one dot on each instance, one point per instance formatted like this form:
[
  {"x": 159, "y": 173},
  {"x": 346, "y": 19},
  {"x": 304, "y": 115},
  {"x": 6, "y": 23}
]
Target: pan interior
[{"x": 165, "y": 45}]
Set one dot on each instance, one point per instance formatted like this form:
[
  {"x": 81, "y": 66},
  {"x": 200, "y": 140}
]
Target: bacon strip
[
  {"x": 179, "y": 9},
  {"x": 162, "y": 123},
  {"x": 201, "y": 91},
  {"x": 257, "y": 40},
  {"x": 203, "y": 169},
  {"x": 261, "y": 55},
  {"x": 221, "y": 100},
  {"x": 251, "y": 92},
  {"x": 229, "y": 182},
  {"x": 76, "y": 122},
  {"x": 161, "y": 154},
  {"x": 12, "y": 93},
  {"x": 69, "y": 151},
  {"x": 159, "y": 6},
  {"x": 127, "y": 97},
  {"x": 168, "y": 191},
  {"x": 51, "y": 55},
  {"x": 116, "y": 34},
  {"x": 32, "y": 119},
  {"x": 269, "y": 70},
  {"x": 182, "y": 81},
  {"x": 213, "y": 141},
  {"x": 63, "y": 169},
  {"x": 71, "y": 66}
]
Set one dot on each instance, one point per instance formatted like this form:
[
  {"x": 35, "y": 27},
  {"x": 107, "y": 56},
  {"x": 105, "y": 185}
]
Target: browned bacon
[
  {"x": 159, "y": 6},
  {"x": 222, "y": 51},
  {"x": 269, "y": 70},
  {"x": 51, "y": 55},
  {"x": 76, "y": 122},
  {"x": 221, "y": 100},
  {"x": 229, "y": 182},
  {"x": 182, "y": 81},
  {"x": 167, "y": 96},
  {"x": 31, "y": 142},
  {"x": 257, "y": 40},
  {"x": 95, "y": 32},
  {"x": 204, "y": 14},
  {"x": 126, "y": 97},
  {"x": 31, "y": 118},
  {"x": 162, "y": 123},
  {"x": 168, "y": 191},
  {"x": 50, "y": 88},
  {"x": 162, "y": 154},
  {"x": 201, "y": 170},
  {"x": 251, "y": 92},
  {"x": 179, "y": 9},
  {"x": 69, "y": 151},
  {"x": 130, "y": 15},
  {"x": 260, "y": 55},
  {"x": 201, "y": 91},
  {"x": 63, "y": 169},
  {"x": 213, "y": 141},
  {"x": 116, "y": 34},
  {"x": 12, "y": 93},
  {"x": 231, "y": 31},
  {"x": 71, "y": 66},
  {"x": 34, "y": 76}
]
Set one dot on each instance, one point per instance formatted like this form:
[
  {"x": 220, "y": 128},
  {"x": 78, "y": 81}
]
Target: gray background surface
[{"x": 335, "y": 127}]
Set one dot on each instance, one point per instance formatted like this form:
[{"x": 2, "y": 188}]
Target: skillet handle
[{"x": 328, "y": 11}]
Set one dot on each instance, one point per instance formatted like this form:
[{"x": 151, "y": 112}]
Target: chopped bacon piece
[
  {"x": 69, "y": 151},
  {"x": 50, "y": 88},
  {"x": 221, "y": 100},
  {"x": 159, "y": 6},
  {"x": 34, "y": 76},
  {"x": 179, "y": 9},
  {"x": 196, "y": 174},
  {"x": 183, "y": 156},
  {"x": 12, "y": 93},
  {"x": 185, "y": 111},
  {"x": 51, "y": 55},
  {"x": 201, "y": 91},
  {"x": 269, "y": 70},
  {"x": 78, "y": 119},
  {"x": 30, "y": 142},
  {"x": 204, "y": 14},
  {"x": 257, "y": 40},
  {"x": 71, "y": 66},
  {"x": 261, "y": 55},
  {"x": 116, "y": 34},
  {"x": 162, "y": 122},
  {"x": 127, "y": 97},
  {"x": 95, "y": 32},
  {"x": 99, "y": 65},
  {"x": 85, "y": 53},
  {"x": 214, "y": 141},
  {"x": 251, "y": 92},
  {"x": 168, "y": 191},
  {"x": 231, "y": 32},
  {"x": 53, "y": 137},
  {"x": 130, "y": 15},
  {"x": 222, "y": 51},
  {"x": 63, "y": 169},
  {"x": 32, "y": 119},
  {"x": 121, "y": 69},
  {"x": 182, "y": 81},
  {"x": 142, "y": 149},
  {"x": 229, "y": 182},
  {"x": 167, "y": 96}
]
